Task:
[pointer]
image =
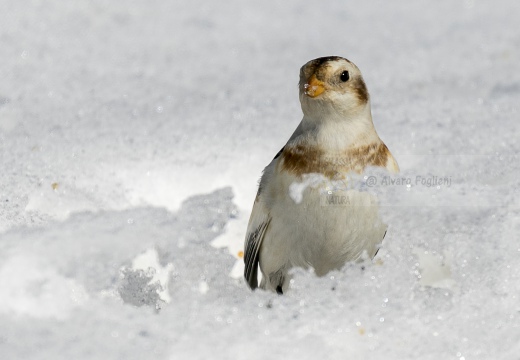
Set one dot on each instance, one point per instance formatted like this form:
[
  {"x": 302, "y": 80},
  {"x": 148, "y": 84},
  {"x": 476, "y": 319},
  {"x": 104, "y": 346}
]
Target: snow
[
  {"x": 132, "y": 138},
  {"x": 296, "y": 189}
]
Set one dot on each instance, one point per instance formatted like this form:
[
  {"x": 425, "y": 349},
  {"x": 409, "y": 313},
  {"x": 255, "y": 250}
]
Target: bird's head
[{"x": 332, "y": 86}]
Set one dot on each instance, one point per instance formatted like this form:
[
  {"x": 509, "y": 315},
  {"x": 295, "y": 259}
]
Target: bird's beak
[{"x": 314, "y": 87}]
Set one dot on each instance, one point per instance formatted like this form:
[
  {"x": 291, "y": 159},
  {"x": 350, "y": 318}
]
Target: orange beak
[{"x": 314, "y": 87}]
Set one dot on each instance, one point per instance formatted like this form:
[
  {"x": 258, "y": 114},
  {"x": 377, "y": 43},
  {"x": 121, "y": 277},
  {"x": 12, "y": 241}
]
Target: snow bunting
[{"x": 291, "y": 225}]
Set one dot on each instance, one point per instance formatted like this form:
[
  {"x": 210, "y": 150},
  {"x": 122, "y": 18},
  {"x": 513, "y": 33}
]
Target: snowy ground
[{"x": 132, "y": 136}]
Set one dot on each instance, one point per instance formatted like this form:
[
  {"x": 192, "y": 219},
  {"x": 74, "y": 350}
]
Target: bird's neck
[{"x": 335, "y": 131}]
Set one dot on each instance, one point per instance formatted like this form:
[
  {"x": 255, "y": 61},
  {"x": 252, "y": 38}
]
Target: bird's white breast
[{"x": 318, "y": 226}]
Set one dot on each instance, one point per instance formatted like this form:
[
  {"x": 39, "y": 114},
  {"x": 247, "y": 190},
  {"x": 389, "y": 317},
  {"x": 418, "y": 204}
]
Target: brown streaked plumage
[
  {"x": 361, "y": 91},
  {"x": 300, "y": 160}
]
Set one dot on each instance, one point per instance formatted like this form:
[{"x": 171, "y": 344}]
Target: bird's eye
[{"x": 344, "y": 76}]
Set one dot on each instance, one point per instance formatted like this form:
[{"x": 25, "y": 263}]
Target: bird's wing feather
[{"x": 258, "y": 224}]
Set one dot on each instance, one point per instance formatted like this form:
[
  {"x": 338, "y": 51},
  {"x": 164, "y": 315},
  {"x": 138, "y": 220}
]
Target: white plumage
[{"x": 295, "y": 221}]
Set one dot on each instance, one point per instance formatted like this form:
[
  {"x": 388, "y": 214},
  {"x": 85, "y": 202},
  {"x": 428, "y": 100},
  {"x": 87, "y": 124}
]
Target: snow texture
[{"x": 132, "y": 137}]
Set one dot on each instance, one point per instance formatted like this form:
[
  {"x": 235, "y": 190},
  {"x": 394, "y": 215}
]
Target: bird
[{"x": 290, "y": 223}]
